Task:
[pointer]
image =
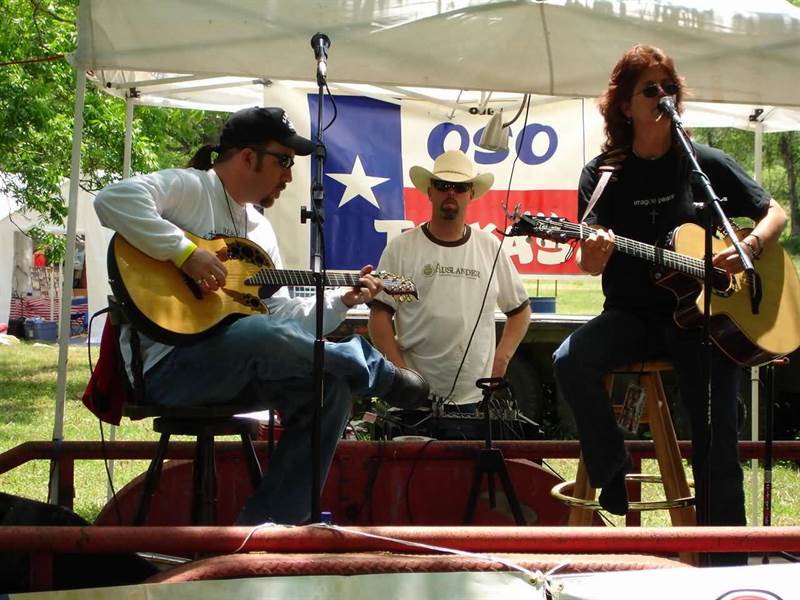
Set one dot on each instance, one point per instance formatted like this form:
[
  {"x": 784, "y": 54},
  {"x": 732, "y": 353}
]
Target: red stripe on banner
[{"x": 537, "y": 258}]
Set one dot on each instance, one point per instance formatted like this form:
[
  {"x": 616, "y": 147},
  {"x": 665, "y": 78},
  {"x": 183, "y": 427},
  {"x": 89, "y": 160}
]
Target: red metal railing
[{"x": 42, "y": 542}]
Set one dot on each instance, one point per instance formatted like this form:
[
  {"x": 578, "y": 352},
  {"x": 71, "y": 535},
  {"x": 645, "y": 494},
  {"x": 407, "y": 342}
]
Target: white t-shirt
[
  {"x": 451, "y": 279},
  {"x": 152, "y": 212}
]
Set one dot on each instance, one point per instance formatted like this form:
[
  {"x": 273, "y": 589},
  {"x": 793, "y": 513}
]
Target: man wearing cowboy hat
[{"x": 453, "y": 266}]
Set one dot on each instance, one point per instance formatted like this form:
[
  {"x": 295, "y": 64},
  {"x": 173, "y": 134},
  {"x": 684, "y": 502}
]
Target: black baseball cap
[{"x": 257, "y": 125}]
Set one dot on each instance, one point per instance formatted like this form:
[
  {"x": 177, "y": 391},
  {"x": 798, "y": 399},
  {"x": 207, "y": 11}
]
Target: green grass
[
  {"x": 28, "y": 376},
  {"x": 578, "y": 296},
  {"x": 27, "y": 403}
]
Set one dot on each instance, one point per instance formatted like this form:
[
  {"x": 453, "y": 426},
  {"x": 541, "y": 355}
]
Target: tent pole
[
  {"x": 126, "y": 153},
  {"x": 126, "y": 172},
  {"x": 755, "y": 501},
  {"x": 66, "y": 284}
]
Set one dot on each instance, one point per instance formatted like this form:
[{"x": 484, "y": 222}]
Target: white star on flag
[{"x": 358, "y": 183}]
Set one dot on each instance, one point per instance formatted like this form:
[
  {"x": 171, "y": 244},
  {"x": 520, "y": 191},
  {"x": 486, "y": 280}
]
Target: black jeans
[{"x": 617, "y": 338}]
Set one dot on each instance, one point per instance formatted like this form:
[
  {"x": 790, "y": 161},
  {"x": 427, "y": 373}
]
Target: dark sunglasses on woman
[{"x": 651, "y": 89}]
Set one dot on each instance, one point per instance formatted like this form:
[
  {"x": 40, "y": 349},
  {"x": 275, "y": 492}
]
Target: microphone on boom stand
[{"x": 320, "y": 43}]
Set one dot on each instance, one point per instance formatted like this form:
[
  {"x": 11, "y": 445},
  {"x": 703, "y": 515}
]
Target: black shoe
[
  {"x": 614, "y": 495},
  {"x": 409, "y": 389}
]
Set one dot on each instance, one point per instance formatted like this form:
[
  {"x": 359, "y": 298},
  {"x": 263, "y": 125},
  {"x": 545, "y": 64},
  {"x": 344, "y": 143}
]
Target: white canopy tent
[
  {"x": 173, "y": 52},
  {"x": 733, "y": 51}
]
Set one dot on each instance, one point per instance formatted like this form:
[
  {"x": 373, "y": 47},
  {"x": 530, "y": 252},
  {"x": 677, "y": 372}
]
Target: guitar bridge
[{"x": 247, "y": 300}]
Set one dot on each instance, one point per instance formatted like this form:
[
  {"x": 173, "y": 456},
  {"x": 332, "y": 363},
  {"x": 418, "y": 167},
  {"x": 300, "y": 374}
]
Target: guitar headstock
[
  {"x": 556, "y": 229},
  {"x": 402, "y": 288}
]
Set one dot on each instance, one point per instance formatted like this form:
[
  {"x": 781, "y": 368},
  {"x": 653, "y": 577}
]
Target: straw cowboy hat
[{"x": 453, "y": 166}]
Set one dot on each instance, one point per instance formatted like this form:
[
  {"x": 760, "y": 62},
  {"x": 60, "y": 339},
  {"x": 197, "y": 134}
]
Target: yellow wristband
[{"x": 184, "y": 256}]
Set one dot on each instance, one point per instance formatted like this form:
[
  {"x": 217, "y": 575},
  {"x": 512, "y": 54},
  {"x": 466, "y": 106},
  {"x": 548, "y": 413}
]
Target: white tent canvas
[{"x": 733, "y": 51}]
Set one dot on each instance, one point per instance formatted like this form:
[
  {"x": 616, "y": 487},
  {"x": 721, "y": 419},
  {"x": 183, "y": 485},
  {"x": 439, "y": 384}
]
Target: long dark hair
[{"x": 618, "y": 128}]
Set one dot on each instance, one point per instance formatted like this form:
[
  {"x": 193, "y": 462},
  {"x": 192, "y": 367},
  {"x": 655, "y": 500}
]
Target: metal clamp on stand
[{"x": 490, "y": 460}]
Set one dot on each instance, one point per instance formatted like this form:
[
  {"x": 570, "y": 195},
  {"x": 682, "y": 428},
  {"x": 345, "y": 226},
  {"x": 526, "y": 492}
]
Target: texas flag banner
[{"x": 371, "y": 144}]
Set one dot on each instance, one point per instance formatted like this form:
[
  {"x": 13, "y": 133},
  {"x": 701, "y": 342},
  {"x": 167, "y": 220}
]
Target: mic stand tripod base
[{"x": 491, "y": 462}]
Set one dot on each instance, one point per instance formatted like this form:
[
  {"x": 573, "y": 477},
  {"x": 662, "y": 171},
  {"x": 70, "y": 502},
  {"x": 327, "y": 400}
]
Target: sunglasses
[
  {"x": 444, "y": 186},
  {"x": 651, "y": 89},
  {"x": 284, "y": 160}
]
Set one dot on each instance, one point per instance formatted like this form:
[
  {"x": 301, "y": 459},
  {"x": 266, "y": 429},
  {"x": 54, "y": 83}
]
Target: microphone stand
[
  {"x": 316, "y": 216},
  {"x": 712, "y": 202}
]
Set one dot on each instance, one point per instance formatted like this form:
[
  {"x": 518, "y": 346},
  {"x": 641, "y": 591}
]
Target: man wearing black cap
[{"x": 266, "y": 359}]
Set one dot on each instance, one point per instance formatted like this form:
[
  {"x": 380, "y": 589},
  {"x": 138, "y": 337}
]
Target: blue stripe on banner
[{"x": 363, "y": 177}]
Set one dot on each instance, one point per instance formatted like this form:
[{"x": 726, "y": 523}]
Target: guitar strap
[{"x": 611, "y": 164}]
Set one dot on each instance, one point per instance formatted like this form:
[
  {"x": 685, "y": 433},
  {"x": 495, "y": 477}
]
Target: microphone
[
  {"x": 666, "y": 106},
  {"x": 320, "y": 43}
]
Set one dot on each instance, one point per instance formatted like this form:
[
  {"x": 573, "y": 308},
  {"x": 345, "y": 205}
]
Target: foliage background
[{"x": 37, "y": 95}]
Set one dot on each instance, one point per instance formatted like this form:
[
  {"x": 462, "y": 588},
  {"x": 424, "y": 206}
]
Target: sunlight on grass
[
  {"x": 27, "y": 403},
  {"x": 574, "y": 296}
]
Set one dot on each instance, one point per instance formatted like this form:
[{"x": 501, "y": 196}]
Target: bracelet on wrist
[
  {"x": 760, "y": 245},
  {"x": 754, "y": 247}
]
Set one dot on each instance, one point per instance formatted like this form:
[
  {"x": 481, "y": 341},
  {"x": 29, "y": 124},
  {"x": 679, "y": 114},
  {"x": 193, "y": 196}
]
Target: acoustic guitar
[
  {"x": 163, "y": 302},
  {"x": 753, "y": 320}
]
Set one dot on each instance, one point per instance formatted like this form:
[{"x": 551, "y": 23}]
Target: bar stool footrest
[{"x": 559, "y": 493}]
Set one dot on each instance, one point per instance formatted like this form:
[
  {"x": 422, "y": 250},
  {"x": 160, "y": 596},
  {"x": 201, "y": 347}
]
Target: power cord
[{"x": 449, "y": 397}]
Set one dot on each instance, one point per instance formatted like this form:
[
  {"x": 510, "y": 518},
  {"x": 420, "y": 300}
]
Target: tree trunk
[{"x": 785, "y": 146}]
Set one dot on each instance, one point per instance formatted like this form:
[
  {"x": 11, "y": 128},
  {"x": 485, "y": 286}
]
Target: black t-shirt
[{"x": 648, "y": 200}]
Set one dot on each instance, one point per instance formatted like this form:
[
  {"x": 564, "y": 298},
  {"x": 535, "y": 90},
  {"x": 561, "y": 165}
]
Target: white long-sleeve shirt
[{"x": 152, "y": 212}]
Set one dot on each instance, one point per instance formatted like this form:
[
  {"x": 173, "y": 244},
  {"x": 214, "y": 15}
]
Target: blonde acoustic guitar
[{"x": 163, "y": 302}]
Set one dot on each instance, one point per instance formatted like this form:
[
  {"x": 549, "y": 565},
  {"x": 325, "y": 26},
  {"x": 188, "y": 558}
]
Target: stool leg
[
  {"x": 673, "y": 475},
  {"x": 151, "y": 479},
  {"x": 204, "y": 492},
  {"x": 583, "y": 489},
  {"x": 666, "y": 447}
]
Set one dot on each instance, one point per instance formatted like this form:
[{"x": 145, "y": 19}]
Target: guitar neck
[
  {"x": 293, "y": 277},
  {"x": 659, "y": 256}
]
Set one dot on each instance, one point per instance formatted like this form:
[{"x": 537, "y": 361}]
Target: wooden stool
[
  {"x": 204, "y": 424},
  {"x": 673, "y": 477}
]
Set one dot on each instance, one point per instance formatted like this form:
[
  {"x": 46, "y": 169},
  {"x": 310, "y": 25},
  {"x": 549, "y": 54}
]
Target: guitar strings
[{"x": 669, "y": 258}]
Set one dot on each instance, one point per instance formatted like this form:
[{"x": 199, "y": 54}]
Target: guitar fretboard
[
  {"x": 670, "y": 259},
  {"x": 294, "y": 277},
  {"x": 660, "y": 256}
]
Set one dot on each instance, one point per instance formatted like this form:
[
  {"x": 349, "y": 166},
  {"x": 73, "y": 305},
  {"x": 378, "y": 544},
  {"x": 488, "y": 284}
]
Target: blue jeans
[
  {"x": 617, "y": 338},
  {"x": 268, "y": 361}
]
